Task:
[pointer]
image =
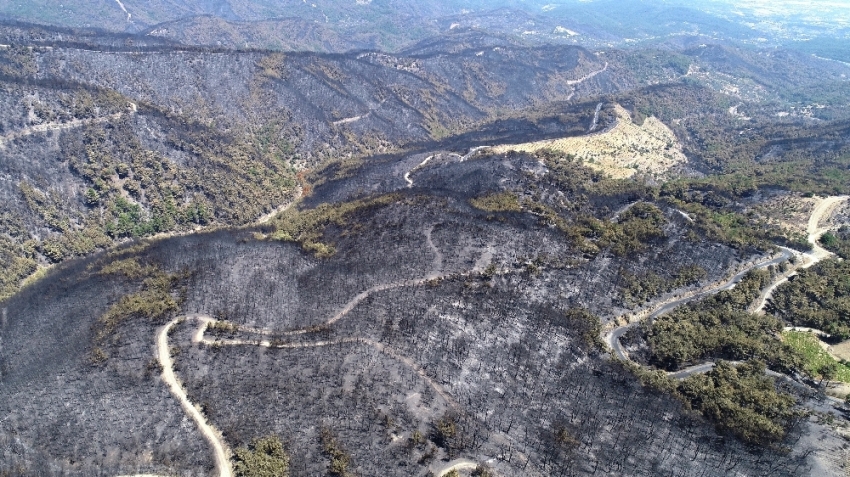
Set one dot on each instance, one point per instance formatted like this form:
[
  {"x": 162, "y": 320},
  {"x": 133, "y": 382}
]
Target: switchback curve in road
[
  {"x": 206, "y": 321},
  {"x": 212, "y": 435},
  {"x": 612, "y": 338},
  {"x": 823, "y": 208}
]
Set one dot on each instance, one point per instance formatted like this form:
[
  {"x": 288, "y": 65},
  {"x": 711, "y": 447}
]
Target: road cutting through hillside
[
  {"x": 420, "y": 165},
  {"x": 299, "y": 192},
  {"x": 213, "y": 436},
  {"x": 42, "y": 128},
  {"x": 588, "y": 76},
  {"x": 823, "y": 209},
  {"x": 124, "y": 9},
  {"x": 207, "y": 321},
  {"x": 612, "y": 338},
  {"x": 216, "y": 441}
]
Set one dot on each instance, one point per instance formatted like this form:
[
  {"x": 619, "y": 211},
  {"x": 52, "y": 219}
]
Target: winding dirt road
[
  {"x": 612, "y": 337},
  {"x": 74, "y": 123},
  {"x": 420, "y": 165},
  {"x": 823, "y": 209},
  {"x": 265, "y": 218},
  {"x": 457, "y": 464},
  {"x": 588, "y": 76},
  {"x": 124, "y": 9},
  {"x": 213, "y": 436}
]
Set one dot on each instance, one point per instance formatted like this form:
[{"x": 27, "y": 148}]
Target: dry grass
[
  {"x": 620, "y": 152},
  {"x": 788, "y": 212}
]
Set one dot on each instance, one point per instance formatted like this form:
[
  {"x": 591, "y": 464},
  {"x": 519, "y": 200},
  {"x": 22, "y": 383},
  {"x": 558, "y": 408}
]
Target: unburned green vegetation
[
  {"x": 634, "y": 232},
  {"x": 741, "y": 400},
  {"x": 639, "y": 288},
  {"x": 498, "y": 202},
  {"x": 130, "y": 189},
  {"x": 738, "y": 399},
  {"x": 837, "y": 242},
  {"x": 790, "y": 152},
  {"x": 817, "y": 363},
  {"x": 265, "y": 457},
  {"x": 720, "y": 327},
  {"x": 307, "y": 227},
  {"x": 156, "y": 299},
  {"x": 340, "y": 459},
  {"x": 17, "y": 261},
  {"x": 716, "y": 218},
  {"x": 817, "y": 297}
]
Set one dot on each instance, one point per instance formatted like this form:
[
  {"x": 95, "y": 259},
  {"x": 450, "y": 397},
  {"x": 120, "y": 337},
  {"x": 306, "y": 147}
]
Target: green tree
[
  {"x": 828, "y": 371},
  {"x": 265, "y": 457},
  {"x": 92, "y": 197},
  {"x": 742, "y": 401}
]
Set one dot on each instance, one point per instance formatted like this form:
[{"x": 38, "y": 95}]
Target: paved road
[
  {"x": 613, "y": 337},
  {"x": 698, "y": 369},
  {"x": 822, "y": 209}
]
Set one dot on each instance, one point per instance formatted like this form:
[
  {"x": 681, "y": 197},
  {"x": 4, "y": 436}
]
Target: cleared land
[
  {"x": 816, "y": 357},
  {"x": 621, "y": 151}
]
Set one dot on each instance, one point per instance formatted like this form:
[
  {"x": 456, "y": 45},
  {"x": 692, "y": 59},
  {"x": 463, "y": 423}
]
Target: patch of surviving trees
[{"x": 738, "y": 397}]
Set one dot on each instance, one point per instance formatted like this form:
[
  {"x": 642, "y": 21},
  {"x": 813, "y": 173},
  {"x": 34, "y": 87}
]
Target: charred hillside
[
  {"x": 434, "y": 307},
  {"x": 409, "y": 262}
]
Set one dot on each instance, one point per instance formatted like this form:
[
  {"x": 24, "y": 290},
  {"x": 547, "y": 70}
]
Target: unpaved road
[
  {"x": 421, "y": 164},
  {"x": 205, "y": 321},
  {"x": 588, "y": 76},
  {"x": 212, "y": 435},
  {"x": 823, "y": 209},
  {"x": 458, "y": 464},
  {"x": 216, "y": 441},
  {"x": 595, "y": 118},
  {"x": 298, "y": 194},
  {"x": 41, "y": 128},
  {"x": 612, "y": 338},
  {"x": 124, "y": 9}
]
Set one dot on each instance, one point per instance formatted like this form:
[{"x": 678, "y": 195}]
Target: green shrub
[
  {"x": 265, "y": 457},
  {"x": 307, "y": 227},
  {"x": 340, "y": 460},
  {"x": 500, "y": 202},
  {"x": 720, "y": 327},
  {"x": 817, "y": 298},
  {"x": 154, "y": 301}
]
